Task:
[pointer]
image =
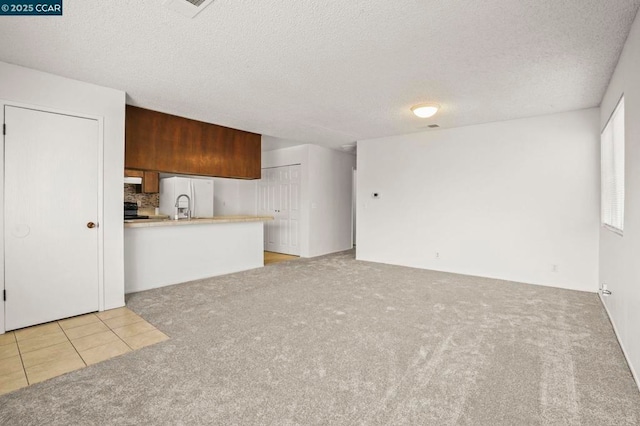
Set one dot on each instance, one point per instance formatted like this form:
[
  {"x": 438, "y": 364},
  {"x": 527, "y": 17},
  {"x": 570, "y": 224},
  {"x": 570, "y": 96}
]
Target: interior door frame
[
  {"x": 354, "y": 206},
  {"x": 100, "y": 217}
]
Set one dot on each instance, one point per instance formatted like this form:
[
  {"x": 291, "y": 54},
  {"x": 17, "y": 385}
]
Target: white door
[
  {"x": 263, "y": 204},
  {"x": 279, "y": 196},
  {"x": 51, "y": 216},
  {"x": 269, "y": 206}
]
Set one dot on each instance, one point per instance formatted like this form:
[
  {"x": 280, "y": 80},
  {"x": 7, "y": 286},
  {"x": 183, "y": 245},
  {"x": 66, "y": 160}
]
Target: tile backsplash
[{"x": 144, "y": 201}]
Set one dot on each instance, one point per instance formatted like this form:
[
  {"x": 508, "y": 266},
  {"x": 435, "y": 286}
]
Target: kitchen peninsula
[{"x": 164, "y": 252}]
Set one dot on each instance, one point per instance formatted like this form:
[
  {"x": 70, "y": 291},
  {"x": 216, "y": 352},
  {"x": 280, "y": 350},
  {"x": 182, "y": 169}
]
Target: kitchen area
[
  {"x": 180, "y": 224},
  {"x": 293, "y": 199}
]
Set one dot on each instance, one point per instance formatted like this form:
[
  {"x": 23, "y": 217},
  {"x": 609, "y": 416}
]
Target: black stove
[
  {"x": 131, "y": 211},
  {"x": 132, "y": 217}
]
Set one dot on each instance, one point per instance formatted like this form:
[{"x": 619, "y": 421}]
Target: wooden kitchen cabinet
[
  {"x": 150, "y": 180},
  {"x": 133, "y": 173},
  {"x": 161, "y": 142}
]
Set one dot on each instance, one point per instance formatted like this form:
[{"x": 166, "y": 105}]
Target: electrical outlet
[
  {"x": 554, "y": 268},
  {"x": 437, "y": 255}
]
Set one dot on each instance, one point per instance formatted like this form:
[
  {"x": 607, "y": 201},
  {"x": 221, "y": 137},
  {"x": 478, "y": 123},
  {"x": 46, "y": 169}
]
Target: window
[{"x": 612, "y": 157}]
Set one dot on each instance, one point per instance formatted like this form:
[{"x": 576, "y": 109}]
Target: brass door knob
[{"x": 91, "y": 225}]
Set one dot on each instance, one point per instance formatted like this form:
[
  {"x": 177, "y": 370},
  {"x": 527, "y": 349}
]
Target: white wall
[
  {"x": 325, "y": 195},
  {"x": 247, "y": 197},
  {"x": 354, "y": 205},
  {"x": 31, "y": 87},
  {"x": 620, "y": 255},
  {"x": 330, "y": 195},
  {"x": 234, "y": 197},
  {"x": 505, "y": 200}
]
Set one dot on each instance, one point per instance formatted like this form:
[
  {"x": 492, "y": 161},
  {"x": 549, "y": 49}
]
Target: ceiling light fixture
[{"x": 425, "y": 110}]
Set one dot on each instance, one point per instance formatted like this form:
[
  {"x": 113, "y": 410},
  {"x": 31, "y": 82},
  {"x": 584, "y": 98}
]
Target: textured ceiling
[{"x": 332, "y": 72}]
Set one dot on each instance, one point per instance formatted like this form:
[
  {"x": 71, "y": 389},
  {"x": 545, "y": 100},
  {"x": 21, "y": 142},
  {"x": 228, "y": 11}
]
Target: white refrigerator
[{"x": 199, "y": 190}]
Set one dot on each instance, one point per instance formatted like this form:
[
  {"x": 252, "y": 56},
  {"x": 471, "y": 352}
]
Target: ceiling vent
[{"x": 188, "y": 8}]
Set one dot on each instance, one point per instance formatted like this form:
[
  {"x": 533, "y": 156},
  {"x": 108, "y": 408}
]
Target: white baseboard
[{"x": 624, "y": 352}]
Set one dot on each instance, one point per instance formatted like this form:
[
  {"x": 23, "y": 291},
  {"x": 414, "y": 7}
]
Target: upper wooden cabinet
[
  {"x": 166, "y": 143},
  {"x": 150, "y": 180}
]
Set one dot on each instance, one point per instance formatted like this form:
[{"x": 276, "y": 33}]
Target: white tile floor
[{"x": 38, "y": 353}]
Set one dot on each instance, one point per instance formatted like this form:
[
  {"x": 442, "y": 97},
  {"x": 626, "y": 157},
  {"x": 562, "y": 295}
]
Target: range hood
[{"x": 133, "y": 180}]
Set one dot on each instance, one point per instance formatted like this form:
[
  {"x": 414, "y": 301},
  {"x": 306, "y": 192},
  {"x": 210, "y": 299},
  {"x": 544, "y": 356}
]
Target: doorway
[
  {"x": 51, "y": 211},
  {"x": 279, "y": 196}
]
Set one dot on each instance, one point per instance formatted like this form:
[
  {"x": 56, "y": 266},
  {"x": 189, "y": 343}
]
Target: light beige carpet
[{"x": 332, "y": 340}]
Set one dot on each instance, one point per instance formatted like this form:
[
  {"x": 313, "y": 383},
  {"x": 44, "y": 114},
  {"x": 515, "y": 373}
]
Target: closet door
[
  {"x": 273, "y": 205},
  {"x": 266, "y": 206},
  {"x": 263, "y": 199},
  {"x": 281, "y": 215},
  {"x": 51, "y": 216},
  {"x": 279, "y": 196}
]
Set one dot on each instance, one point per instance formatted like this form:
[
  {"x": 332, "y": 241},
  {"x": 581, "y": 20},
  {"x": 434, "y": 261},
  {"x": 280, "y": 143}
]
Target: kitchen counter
[
  {"x": 160, "y": 252},
  {"x": 152, "y": 222}
]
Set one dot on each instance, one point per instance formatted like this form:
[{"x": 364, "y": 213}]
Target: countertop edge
[{"x": 151, "y": 223}]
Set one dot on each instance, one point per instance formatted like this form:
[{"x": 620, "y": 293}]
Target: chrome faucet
[{"x": 188, "y": 206}]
